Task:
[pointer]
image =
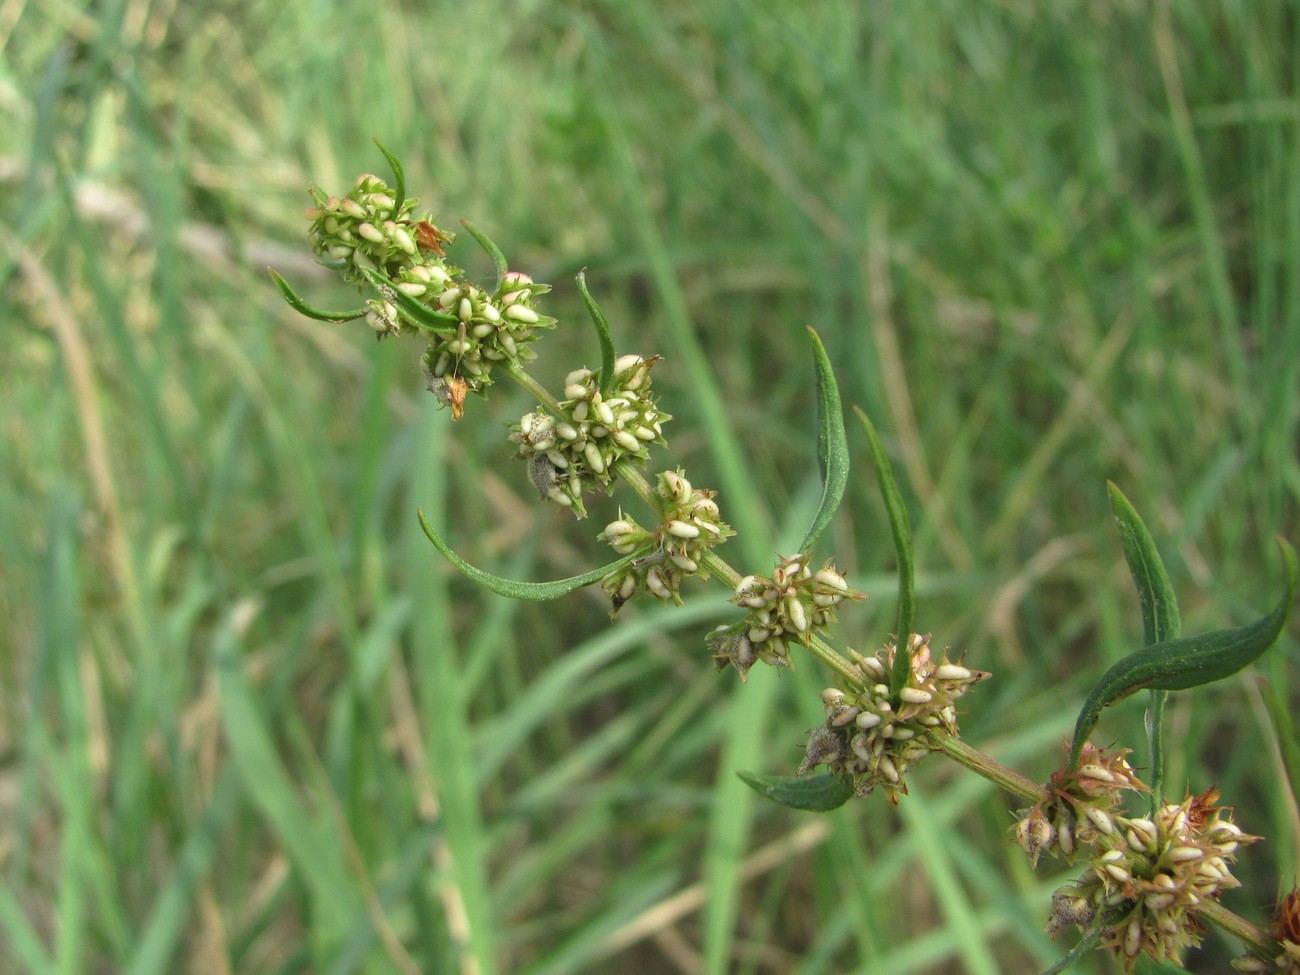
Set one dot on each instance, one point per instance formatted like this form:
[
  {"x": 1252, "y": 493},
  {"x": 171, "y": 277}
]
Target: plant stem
[
  {"x": 998, "y": 774},
  {"x": 516, "y": 372},
  {"x": 1239, "y": 927}
]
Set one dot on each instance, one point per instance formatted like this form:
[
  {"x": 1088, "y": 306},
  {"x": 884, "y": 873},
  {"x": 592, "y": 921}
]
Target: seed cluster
[
  {"x": 367, "y": 229},
  {"x": 1078, "y": 805},
  {"x": 874, "y": 735},
  {"x": 691, "y": 525},
  {"x": 1148, "y": 878},
  {"x": 572, "y": 452},
  {"x": 1286, "y": 929},
  {"x": 489, "y": 328},
  {"x": 793, "y": 603}
]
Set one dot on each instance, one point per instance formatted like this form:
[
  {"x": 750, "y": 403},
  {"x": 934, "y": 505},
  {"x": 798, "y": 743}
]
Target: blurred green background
[{"x": 251, "y": 723}]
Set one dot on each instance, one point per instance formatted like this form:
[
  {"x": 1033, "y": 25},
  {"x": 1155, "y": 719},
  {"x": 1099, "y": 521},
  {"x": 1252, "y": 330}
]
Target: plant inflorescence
[{"x": 1152, "y": 868}]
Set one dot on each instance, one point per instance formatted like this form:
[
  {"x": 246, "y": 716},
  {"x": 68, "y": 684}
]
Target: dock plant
[{"x": 1152, "y": 867}]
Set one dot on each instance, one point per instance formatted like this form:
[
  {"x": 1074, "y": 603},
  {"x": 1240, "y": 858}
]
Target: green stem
[
  {"x": 1239, "y": 928},
  {"x": 1156, "y": 734},
  {"x": 516, "y": 372},
  {"x": 998, "y": 774}
]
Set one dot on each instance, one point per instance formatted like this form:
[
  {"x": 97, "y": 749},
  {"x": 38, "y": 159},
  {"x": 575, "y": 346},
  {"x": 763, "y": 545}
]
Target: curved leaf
[
  {"x": 1176, "y": 665},
  {"x": 832, "y": 445},
  {"x": 811, "y": 793},
  {"x": 901, "y": 527},
  {"x": 607, "y": 357},
  {"x": 1160, "y": 620},
  {"x": 399, "y": 177},
  {"x": 417, "y": 313},
  {"x": 493, "y": 251},
  {"x": 302, "y": 308},
  {"x": 531, "y": 591}
]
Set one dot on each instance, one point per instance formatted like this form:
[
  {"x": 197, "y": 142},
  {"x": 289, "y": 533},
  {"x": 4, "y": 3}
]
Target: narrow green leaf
[
  {"x": 417, "y": 313},
  {"x": 1288, "y": 742},
  {"x": 399, "y": 177},
  {"x": 1160, "y": 620},
  {"x": 901, "y": 527},
  {"x": 812, "y": 793},
  {"x": 302, "y": 308},
  {"x": 493, "y": 251},
  {"x": 832, "y": 444},
  {"x": 532, "y": 591},
  {"x": 607, "y": 357},
  {"x": 1176, "y": 665}
]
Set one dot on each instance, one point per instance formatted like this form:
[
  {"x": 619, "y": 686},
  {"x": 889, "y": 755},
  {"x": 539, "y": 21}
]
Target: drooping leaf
[
  {"x": 417, "y": 313},
  {"x": 607, "y": 357},
  {"x": 302, "y": 308},
  {"x": 1160, "y": 620},
  {"x": 1176, "y": 665},
  {"x": 399, "y": 178},
  {"x": 812, "y": 793},
  {"x": 530, "y": 591},
  {"x": 832, "y": 444},
  {"x": 901, "y": 527},
  {"x": 493, "y": 251}
]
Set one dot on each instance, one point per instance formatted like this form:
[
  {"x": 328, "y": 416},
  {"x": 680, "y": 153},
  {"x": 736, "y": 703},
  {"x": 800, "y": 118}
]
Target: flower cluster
[
  {"x": 489, "y": 328},
  {"x": 470, "y": 329},
  {"x": 791, "y": 604},
  {"x": 691, "y": 525},
  {"x": 368, "y": 229},
  {"x": 1148, "y": 878},
  {"x": 569, "y": 453},
  {"x": 1286, "y": 929},
  {"x": 1078, "y": 805},
  {"x": 874, "y": 735}
]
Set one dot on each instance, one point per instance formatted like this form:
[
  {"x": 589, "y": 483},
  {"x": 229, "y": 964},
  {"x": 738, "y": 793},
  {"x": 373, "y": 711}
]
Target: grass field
[{"x": 251, "y": 723}]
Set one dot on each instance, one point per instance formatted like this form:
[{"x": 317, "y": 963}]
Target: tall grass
[{"x": 250, "y": 723}]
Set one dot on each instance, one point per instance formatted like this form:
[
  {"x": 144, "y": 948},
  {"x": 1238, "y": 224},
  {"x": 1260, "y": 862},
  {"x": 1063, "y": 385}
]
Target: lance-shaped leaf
[
  {"x": 1160, "y": 620},
  {"x": 302, "y": 308},
  {"x": 1284, "y": 729},
  {"x": 531, "y": 591},
  {"x": 607, "y": 357},
  {"x": 832, "y": 445},
  {"x": 493, "y": 251},
  {"x": 901, "y": 527},
  {"x": 417, "y": 313},
  {"x": 1176, "y": 665},
  {"x": 812, "y": 793},
  {"x": 399, "y": 178}
]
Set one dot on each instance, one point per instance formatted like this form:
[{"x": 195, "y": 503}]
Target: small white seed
[
  {"x": 521, "y": 313},
  {"x": 683, "y": 529},
  {"x": 914, "y": 695}
]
